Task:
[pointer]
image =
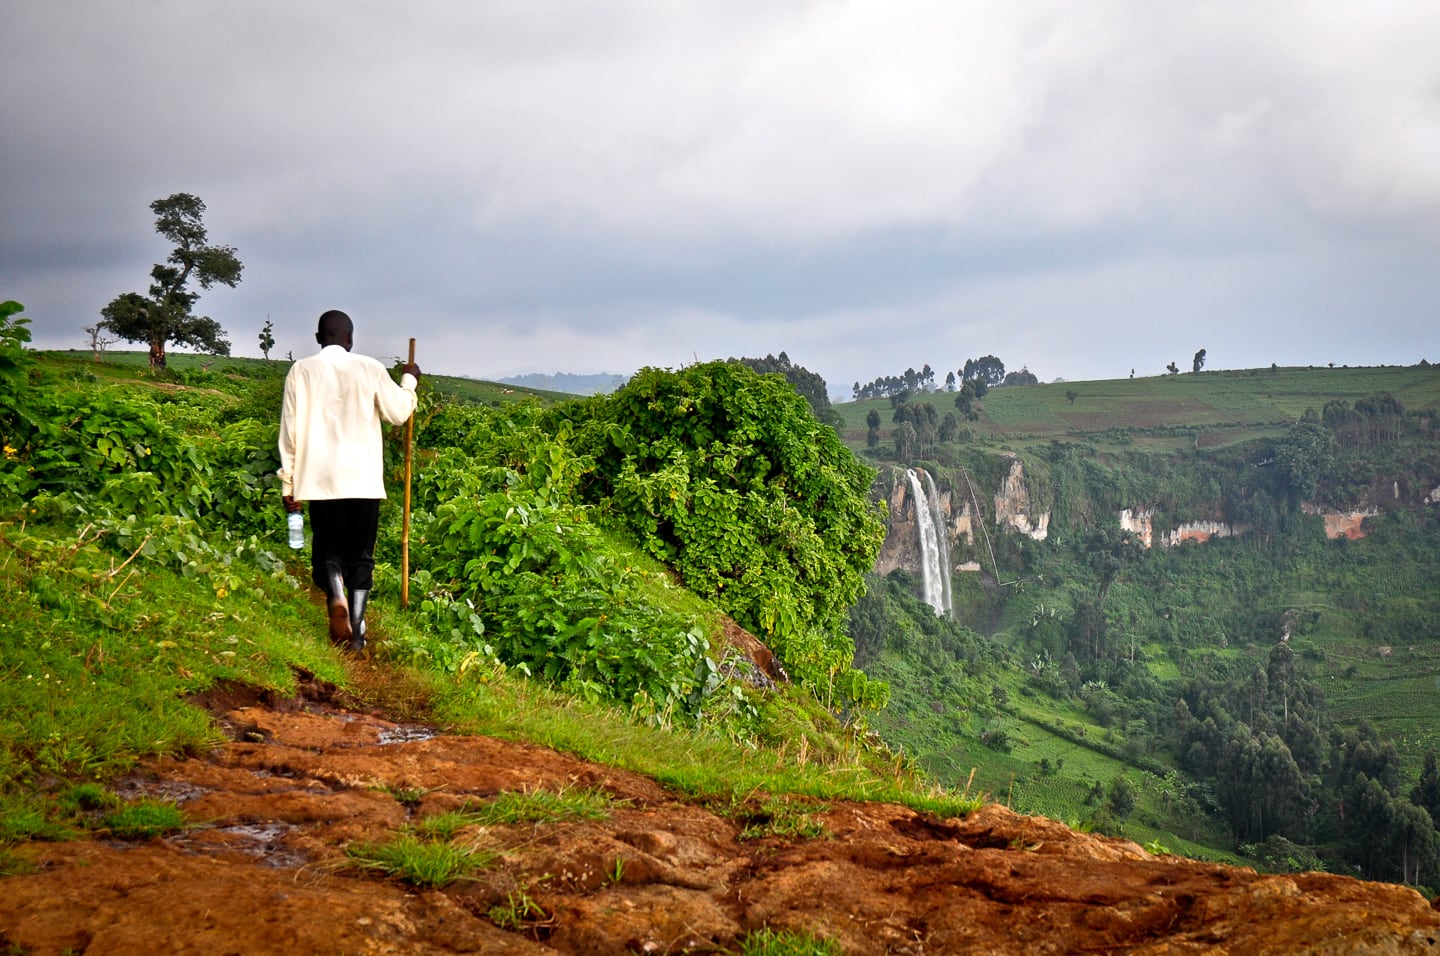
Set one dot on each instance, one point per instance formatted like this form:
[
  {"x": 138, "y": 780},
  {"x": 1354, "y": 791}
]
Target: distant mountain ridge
[{"x": 601, "y": 383}]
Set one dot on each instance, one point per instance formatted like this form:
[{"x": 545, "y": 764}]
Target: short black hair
[{"x": 334, "y": 325}]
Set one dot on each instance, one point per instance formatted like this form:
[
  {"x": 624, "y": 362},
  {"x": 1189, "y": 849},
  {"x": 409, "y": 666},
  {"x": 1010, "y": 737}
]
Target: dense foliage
[
  {"x": 514, "y": 568},
  {"x": 1269, "y": 693},
  {"x": 522, "y": 557},
  {"x": 142, "y": 563},
  {"x": 810, "y": 385},
  {"x": 726, "y": 476}
]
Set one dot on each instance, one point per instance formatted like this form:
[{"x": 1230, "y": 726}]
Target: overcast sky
[{"x": 1077, "y": 186}]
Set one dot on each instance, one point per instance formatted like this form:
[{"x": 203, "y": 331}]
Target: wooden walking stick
[{"x": 405, "y": 513}]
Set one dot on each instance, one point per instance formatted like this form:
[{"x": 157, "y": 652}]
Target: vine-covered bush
[
  {"x": 515, "y": 570},
  {"x": 726, "y": 476}
]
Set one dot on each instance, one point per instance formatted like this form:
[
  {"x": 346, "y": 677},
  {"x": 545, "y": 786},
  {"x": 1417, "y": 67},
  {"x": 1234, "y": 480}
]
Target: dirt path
[{"x": 267, "y": 871}]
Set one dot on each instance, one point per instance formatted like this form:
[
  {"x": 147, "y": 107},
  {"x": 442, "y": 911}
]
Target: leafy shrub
[
  {"x": 16, "y": 423},
  {"x": 519, "y": 572},
  {"x": 726, "y": 476}
]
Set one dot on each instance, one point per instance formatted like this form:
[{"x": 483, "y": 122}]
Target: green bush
[{"x": 727, "y": 477}]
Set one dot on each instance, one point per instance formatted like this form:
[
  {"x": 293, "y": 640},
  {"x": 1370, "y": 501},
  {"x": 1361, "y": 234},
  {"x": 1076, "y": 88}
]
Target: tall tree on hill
[
  {"x": 987, "y": 369},
  {"x": 1305, "y": 455},
  {"x": 1426, "y": 793},
  {"x": 1197, "y": 363},
  {"x": 966, "y": 398},
  {"x": 166, "y": 314},
  {"x": 872, "y": 428},
  {"x": 907, "y": 443}
]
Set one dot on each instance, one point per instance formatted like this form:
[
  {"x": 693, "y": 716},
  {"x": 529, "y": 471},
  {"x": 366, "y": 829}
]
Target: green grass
[
  {"x": 96, "y": 664},
  {"x": 543, "y": 806},
  {"x": 1162, "y": 413},
  {"x": 123, "y": 365},
  {"x": 15, "y": 864},
  {"x": 517, "y": 912},
  {"x": 144, "y": 819},
  {"x": 424, "y": 863},
  {"x": 443, "y": 826},
  {"x": 776, "y": 816},
  {"x": 508, "y": 807},
  {"x": 770, "y": 942}
]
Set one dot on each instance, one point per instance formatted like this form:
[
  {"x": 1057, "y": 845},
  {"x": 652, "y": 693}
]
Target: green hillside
[
  {"x": 1164, "y": 413},
  {"x": 142, "y": 561},
  {"x": 579, "y": 566},
  {"x": 1240, "y": 693}
]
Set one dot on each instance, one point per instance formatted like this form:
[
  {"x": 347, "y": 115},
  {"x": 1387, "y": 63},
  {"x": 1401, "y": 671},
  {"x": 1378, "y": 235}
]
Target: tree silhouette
[{"x": 166, "y": 314}]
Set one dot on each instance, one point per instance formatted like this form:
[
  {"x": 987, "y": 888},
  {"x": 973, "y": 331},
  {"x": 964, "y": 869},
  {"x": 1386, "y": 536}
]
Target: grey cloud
[{"x": 581, "y": 187}]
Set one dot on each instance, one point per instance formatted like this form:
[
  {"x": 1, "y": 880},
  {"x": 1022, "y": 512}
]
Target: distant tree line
[
  {"x": 983, "y": 372},
  {"x": 1258, "y": 743},
  {"x": 1371, "y": 422}
]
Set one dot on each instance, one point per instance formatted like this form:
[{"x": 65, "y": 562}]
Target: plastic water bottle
[{"x": 296, "y": 522}]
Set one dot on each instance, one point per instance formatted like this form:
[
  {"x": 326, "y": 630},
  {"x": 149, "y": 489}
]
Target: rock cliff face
[
  {"x": 1141, "y": 523},
  {"x": 902, "y": 535},
  {"x": 1342, "y": 524},
  {"x": 1014, "y": 509}
]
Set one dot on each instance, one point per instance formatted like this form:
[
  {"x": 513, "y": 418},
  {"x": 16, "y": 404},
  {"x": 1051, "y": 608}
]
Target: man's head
[{"x": 335, "y": 329}]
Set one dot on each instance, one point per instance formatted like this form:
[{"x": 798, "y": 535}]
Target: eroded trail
[{"x": 267, "y": 871}]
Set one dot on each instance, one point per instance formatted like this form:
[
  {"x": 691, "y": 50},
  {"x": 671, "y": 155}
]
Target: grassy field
[
  {"x": 1171, "y": 412},
  {"x": 118, "y": 366}
]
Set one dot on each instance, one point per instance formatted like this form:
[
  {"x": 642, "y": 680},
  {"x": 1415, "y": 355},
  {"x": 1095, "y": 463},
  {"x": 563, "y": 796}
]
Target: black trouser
[{"x": 342, "y": 540}]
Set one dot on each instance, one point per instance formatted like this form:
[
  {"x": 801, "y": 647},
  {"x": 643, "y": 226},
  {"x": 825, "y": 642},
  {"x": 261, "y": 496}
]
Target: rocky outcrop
[
  {"x": 901, "y": 548},
  {"x": 267, "y": 868},
  {"x": 1141, "y": 523},
  {"x": 1342, "y": 524},
  {"x": 1198, "y": 531},
  {"x": 902, "y": 534},
  {"x": 1014, "y": 509}
]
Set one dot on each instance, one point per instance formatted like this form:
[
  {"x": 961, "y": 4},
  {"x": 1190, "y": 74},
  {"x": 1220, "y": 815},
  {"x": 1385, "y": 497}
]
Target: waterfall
[{"x": 934, "y": 542}]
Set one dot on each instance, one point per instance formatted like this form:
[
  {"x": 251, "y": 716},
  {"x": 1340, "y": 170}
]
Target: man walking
[{"x": 332, "y": 455}]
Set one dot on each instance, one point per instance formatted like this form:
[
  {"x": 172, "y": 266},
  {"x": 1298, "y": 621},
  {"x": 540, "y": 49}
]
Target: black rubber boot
[
  {"x": 337, "y": 611},
  {"x": 358, "y": 599}
]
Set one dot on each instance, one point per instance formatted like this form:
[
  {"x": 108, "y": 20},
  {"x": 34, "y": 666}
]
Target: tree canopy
[
  {"x": 166, "y": 315},
  {"x": 987, "y": 369}
]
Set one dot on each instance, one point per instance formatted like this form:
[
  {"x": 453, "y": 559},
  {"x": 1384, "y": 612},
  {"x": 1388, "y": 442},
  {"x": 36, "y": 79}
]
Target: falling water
[{"x": 934, "y": 546}]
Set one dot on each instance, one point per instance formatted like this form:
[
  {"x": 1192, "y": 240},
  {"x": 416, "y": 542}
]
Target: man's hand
[
  {"x": 291, "y": 505},
  {"x": 411, "y": 369}
]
